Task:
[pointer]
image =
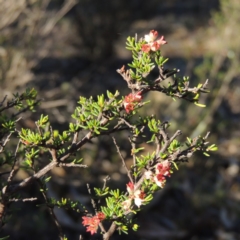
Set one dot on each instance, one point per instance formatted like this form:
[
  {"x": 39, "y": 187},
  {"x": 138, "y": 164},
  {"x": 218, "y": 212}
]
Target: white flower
[
  {"x": 151, "y": 36},
  {"x": 148, "y": 174},
  {"x": 127, "y": 204},
  {"x": 139, "y": 197}
]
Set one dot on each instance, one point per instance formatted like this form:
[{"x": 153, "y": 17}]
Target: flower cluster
[
  {"x": 152, "y": 44},
  {"x": 130, "y": 100},
  {"x": 93, "y": 222},
  {"x": 137, "y": 195},
  {"x": 162, "y": 170}
]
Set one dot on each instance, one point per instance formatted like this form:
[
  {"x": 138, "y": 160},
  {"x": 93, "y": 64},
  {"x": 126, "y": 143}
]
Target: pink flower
[
  {"x": 92, "y": 222},
  {"x": 130, "y": 100},
  {"x": 160, "y": 180},
  {"x": 164, "y": 168},
  {"x": 130, "y": 187},
  {"x": 129, "y": 107},
  {"x": 137, "y": 195},
  {"x": 146, "y": 48},
  {"x": 155, "y": 46},
  {"x": 101, "y": 216},
  {"x": 161, "y": 41},
  {"x": 152, "y": 45},
  {"x": 162, "y": 171}
]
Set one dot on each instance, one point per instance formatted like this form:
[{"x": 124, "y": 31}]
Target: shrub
[{"x": 39, "y": 150}]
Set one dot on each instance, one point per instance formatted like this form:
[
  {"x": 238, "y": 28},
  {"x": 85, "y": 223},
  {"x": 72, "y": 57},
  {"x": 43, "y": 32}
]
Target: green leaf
[
  {"x": 110, "y": 95},
  {"x": 213, "y": 147},
  {"x": 47, "y": 179},
  {"x": 206, "y": 154},
  {"x": 200, "y": 105},
  {"x": 135, "y": 227},
  {"x": 175, "y": 165},
  {"x": 137, "y": 150}
]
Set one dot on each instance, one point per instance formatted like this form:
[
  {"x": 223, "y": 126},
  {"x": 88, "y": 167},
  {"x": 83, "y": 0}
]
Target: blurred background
[{"x": 71, "y": 48}]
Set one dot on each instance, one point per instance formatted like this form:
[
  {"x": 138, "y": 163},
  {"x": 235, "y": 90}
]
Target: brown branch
[
  {"x": 37, "y": 175},
  {"x": 110, "y": 232},
  {"x": 59, "y": 160},
  {"x": 167, "y": 141}
]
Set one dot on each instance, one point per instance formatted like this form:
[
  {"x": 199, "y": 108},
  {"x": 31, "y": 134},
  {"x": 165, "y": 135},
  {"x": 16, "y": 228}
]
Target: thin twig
[
  {"x": 23, "y": 199},
  {"x": 133, "y": 147},
  {"x": 51, "y": 211},
  {"x": 5, "y": 142},
  {"x": 25, "y": 109},
  {"x": 4, "y": 99},
  {"x": 107, "y": 178},
  {"x": 72, "y": 165},
  {"x": 68, "y": 5},
  {"x": 123, "y": 162},
  {"x": 95, "y": 208},
  {"x": 11, "y": 175},
  {"x": 75, "y": 137},
  {"x": 167, "y": 141},
  {"x": 92, "y": 200}
]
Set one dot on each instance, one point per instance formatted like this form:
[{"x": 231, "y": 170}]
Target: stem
[
  {"x": 51, "y": 211},
  {"x": 110, "y": 231}
]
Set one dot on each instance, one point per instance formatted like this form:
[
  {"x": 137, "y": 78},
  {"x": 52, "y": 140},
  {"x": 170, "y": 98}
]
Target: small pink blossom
[
  {"x": 152, "y": 45},
  {"x": 161, "y": 41},
  {"x": 146, "y": 48},
  {"x": 162, "y": 171},
  {"x": 164, "y": 168},
  {"x": 101, "y": 216},
  {"x": 160, "y": 180},
  {"x": 130, "y": 187},
  {"x": 138, "y": 197},
  {"x": 155, "y": 46},
  {"x": 92, "y": 222},
  {"x": 130, "y": 100}
]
